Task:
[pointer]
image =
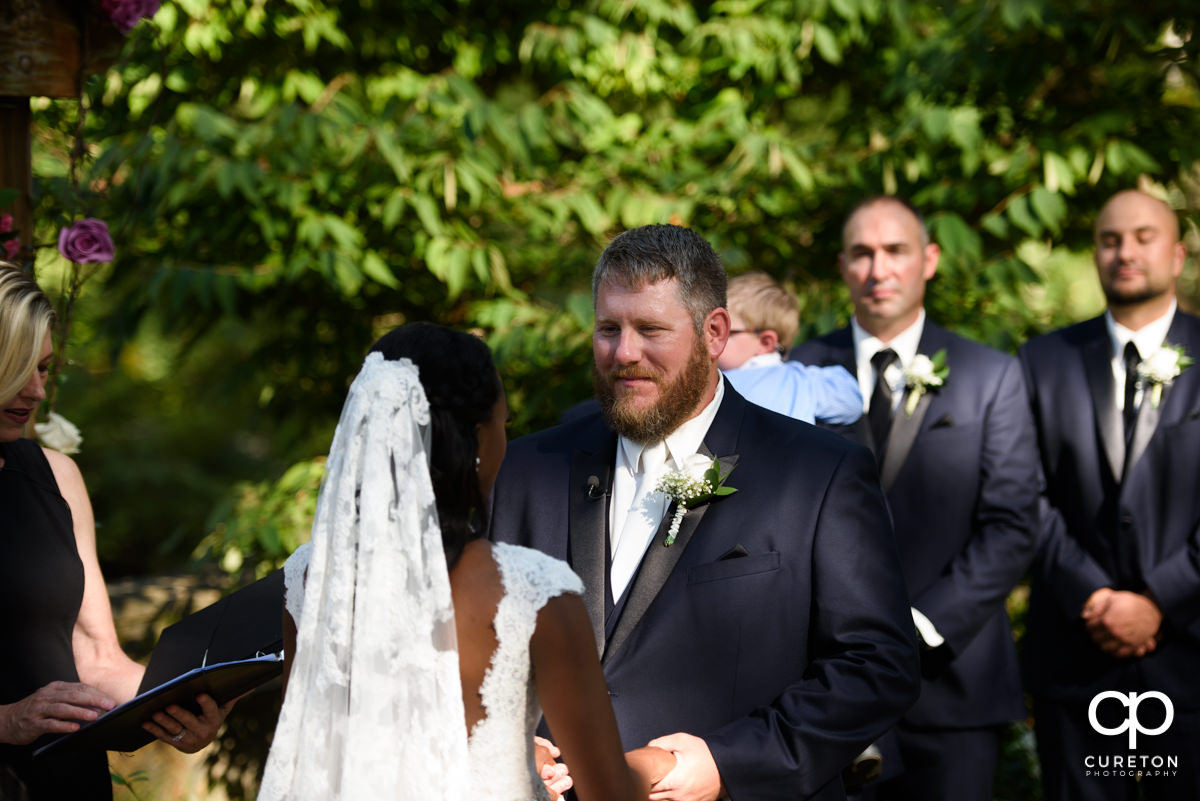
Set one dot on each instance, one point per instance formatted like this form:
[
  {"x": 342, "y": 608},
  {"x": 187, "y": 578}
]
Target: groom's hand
[
  {"x": 695, "y": 777},
  {"x": 555, "y": 775}
]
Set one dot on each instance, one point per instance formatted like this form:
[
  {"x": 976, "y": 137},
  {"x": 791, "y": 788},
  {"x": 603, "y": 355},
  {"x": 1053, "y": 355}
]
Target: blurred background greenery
[{"x": 287, "y": 180}]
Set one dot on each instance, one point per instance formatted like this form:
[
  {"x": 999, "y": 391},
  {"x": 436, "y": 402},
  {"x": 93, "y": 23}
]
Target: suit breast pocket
[{"x": 734, "y": 568}]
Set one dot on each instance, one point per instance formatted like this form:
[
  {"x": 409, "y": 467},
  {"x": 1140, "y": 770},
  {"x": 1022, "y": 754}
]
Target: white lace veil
[{"x": 374, "y": 701}]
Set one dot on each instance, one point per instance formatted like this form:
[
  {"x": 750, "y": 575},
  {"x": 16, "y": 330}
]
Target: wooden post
[
  {"x": 16, "y": 170},
  {"x": 50, "y": 46}
]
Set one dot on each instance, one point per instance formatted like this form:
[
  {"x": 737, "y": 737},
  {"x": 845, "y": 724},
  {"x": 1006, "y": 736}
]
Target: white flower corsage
[
  {"x": 59, "y": 433},
  {"x": 1160, "y": 368},
  {"x": 922, "y": 374},
  {"x": 696, "y": 485}
]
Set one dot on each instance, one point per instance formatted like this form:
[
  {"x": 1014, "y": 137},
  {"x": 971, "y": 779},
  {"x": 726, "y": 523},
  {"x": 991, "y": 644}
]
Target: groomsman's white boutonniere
[
  {"x": 1162, "y": 367},
  {"x": 922, "y": 374},
  {"x": 697, "y": 484}
]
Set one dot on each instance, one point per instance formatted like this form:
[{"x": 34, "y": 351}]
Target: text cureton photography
[{"x": 1115, "y": 713}]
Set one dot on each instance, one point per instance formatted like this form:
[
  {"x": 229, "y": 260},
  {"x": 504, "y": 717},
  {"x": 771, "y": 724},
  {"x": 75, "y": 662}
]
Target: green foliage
[
  {"x": 287, "y": 180},
  {"x": 263, "y": 522}
]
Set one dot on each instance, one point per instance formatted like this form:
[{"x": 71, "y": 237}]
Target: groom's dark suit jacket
[
  {"x": 775, "y": 627},
  {"x": 1127, "y": 518},
  {"x": 960, "y": 476}
]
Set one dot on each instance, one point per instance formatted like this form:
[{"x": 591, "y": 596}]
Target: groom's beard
[{"x": 677, "y": 400}]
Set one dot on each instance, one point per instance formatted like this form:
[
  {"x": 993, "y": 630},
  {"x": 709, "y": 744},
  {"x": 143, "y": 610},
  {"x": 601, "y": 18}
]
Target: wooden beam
[{"x": 50, "y": 46}]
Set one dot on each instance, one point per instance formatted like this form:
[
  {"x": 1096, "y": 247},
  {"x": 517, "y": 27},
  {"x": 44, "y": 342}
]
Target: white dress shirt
[
  {"x": 865, "y": 346},
  {"x": 636, "y": 510},
  {"x": 1148, "y": 341},
  {"x": 905, "y": 345}
]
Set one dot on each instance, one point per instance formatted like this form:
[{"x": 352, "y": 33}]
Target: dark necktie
[
  {"x": 879, "y": 413},
  {"x": 1132, "y": 360}
]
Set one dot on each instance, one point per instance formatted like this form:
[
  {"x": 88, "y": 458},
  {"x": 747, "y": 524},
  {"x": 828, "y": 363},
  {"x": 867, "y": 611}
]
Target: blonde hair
[
  {"x": 26, "y": 316},
  {"x": 764, "y": 305}
]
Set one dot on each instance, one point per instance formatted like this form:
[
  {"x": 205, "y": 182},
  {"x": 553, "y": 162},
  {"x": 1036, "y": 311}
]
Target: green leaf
[
  {"x": 827, "y": 44},
  {"x": 1059, "y": 176},
  {"x": 1051, "y": 208},
  {"x": 1018, "y": 214},
  {"x": 591, "y": 214},
  {"x": 458, "y": 270},
  {"x": 377, "y": 270},
  {"x": 427, "y": 212},
  {"x": 995, "y": 224}
]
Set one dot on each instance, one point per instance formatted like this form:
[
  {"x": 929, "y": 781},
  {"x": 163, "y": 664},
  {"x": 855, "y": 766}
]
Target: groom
[{"x": 766, "y": 642}]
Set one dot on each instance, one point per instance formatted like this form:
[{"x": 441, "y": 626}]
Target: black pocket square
[
  {"x": 944, "y": 421},
  {"x": 735, "y": 552}
]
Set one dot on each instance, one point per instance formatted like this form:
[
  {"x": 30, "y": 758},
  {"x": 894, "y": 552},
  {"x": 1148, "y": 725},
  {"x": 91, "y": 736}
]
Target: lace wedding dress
[
  {"x": 500, "y": 746},
  {"x": 374, "y": 699}
]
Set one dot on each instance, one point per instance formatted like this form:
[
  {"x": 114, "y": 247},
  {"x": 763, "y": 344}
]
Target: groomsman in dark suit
[
  {"x": 949, "y": 425},
  {"x": 1115, "y": 606},
  {"x": 760, "y": 635}
]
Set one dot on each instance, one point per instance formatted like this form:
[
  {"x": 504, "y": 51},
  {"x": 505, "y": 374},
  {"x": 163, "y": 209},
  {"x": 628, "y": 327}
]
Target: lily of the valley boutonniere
[
  {"x": 922, "y": 374},
  {"x": 1160, "y": 368},
  {"x": 689, "y": 490}
]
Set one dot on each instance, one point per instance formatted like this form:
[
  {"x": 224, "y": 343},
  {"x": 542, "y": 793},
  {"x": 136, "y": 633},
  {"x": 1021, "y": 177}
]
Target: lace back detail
[{"x": 501, "y": 744}]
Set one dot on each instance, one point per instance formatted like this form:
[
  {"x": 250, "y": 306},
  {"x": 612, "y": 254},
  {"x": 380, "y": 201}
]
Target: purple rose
[
  {"x": 12, "y": 247},
  {"x": 87, "y": 241},
  {"x": 125, "y": 14}
]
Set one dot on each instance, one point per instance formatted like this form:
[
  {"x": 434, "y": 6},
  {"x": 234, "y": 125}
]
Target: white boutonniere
[
  {"x": 698, "y": 483},
  {"x": 59, "y": 433},
  {"x": 1160, "y": 368},
  {"x": 922, "y": 374}
]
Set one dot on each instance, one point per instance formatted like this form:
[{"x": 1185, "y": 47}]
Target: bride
[{"x": 421, "y": 657}]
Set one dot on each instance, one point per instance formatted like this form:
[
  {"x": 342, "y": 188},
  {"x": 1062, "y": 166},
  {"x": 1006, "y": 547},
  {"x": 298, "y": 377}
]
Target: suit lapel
[
  {"x": 1097, "y": 363},
  {"x": 657, "y": 565},
  {"x": 1149, "y": 417},
  {"x": 901, "y": 437},
  {"x": 588, "y": 521}
]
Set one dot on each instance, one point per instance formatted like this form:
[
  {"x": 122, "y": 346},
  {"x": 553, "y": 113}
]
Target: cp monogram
[{"x": 1132, "y": 724}]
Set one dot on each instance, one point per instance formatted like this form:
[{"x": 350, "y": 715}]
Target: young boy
[{"x": 766, "y": 320}]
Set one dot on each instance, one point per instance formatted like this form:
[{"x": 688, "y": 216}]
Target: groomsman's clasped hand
[{"x": 1122, "y": 623}]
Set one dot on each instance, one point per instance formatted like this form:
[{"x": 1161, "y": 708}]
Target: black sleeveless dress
[{"x": 41, "y": 589}]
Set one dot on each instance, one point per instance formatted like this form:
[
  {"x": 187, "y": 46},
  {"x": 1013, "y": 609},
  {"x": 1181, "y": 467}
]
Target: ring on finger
[{"x": 177, "y": 737}]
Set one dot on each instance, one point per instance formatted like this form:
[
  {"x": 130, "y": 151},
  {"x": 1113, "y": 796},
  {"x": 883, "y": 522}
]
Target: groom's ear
[{"x": 716, "y": 331}]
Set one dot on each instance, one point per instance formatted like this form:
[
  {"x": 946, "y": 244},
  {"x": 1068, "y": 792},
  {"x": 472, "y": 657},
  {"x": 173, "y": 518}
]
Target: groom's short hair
[{"x": 653, "y": 253}]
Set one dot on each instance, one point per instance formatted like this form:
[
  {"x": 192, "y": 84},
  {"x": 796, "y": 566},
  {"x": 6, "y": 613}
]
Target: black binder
[{"x": 224, "y": 650}]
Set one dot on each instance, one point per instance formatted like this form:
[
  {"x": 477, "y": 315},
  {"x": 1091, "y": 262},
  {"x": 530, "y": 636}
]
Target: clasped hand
[
  {"x": 1122, "y": 623},
  {"x": 651, "y": 765}
]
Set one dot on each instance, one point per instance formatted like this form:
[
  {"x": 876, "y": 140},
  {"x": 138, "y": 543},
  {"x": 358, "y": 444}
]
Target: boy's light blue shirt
[{"x": 828, "y": 394}]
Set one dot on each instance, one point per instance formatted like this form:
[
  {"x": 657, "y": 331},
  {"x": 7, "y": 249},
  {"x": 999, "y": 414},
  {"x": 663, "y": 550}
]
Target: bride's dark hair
[{"x": 462, "y": 386}]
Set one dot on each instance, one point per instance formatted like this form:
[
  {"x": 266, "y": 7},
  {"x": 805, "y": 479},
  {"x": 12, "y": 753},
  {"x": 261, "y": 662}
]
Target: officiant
[{"x": 62, "y": 665}]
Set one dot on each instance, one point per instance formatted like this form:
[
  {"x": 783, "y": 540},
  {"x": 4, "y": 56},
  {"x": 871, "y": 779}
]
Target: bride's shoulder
[{"x": 534, "y": 573}]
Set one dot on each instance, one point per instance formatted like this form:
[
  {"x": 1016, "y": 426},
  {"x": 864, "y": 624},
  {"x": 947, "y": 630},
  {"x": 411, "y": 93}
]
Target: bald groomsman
[
  {"x": 1115, "y": 610},
  {"x": 955, "y": 445}
]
